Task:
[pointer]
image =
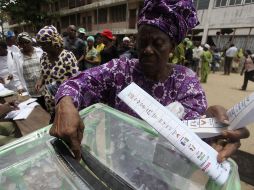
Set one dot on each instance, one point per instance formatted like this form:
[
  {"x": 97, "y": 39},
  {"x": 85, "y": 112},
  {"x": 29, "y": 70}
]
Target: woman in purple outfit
[{"x": 162, "y": 25}]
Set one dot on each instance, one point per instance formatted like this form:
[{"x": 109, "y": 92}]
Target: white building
[
  {"x": 221, "y": 21},
  {"x": 226, "y": 21}
]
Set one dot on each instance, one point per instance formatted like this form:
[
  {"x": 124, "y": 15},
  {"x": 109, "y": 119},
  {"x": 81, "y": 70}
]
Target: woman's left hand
[{"x": 227, "y": 143}]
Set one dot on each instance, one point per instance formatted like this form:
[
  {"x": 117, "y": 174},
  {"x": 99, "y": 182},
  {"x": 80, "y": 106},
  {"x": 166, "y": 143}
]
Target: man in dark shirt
[
  {"x": 110, "y": 51},
  {"x": 73, "y": 43}
]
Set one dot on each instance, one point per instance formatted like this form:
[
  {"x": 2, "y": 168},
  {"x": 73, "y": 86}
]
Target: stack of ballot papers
[
  {"x": 4, "y": 91},
  {"x": 25, "y": 109}
]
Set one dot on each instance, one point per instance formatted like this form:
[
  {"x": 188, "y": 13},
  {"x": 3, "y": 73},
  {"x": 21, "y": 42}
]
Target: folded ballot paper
[
  {"x": 25, "y": 109},
  {"x": 176, "y": 132},
  {"x": 240, "y": 115},
  {"x": 5, "y": 91}
]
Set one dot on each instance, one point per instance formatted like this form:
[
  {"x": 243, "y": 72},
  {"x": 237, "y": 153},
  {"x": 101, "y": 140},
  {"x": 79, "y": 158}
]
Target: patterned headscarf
[
  {"x": 24, "y": 36},
  {"x": 50, "y": 34},
  {"x": 174, "y": 17}
]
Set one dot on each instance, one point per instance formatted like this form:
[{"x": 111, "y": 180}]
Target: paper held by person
[
  {"x": 176, "y": 132},
  {"x": 240, "y": 115}
]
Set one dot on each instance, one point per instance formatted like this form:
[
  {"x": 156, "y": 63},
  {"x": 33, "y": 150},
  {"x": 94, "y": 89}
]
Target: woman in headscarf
[
  {"x": 57, "y": 64},
  {"x": 162, "y": 25},
  {"x": 27, "y": 69}
]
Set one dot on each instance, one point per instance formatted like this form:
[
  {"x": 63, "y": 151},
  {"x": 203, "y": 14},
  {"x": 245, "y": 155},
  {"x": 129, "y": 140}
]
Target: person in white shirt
[
  {"x": 11, "y": 41},
  {"x": 27, "y": 67},
  {"x": 6, "y": 67},
  {"x": 230, "y": 54},
  {"x": 197, "y": 52}
]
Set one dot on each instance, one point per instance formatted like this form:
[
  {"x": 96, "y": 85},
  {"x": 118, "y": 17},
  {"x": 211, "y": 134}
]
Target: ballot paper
[
  {"x": 5, "y": 91},
  {"x": 240, "y": 115},
  {"x": 176, "y": 132},
  {"x": 206, "y": 128},
  {"x": 25, "y": 109}
]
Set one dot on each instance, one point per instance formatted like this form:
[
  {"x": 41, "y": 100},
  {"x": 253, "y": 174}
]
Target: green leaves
[{"x": 29, "y": 11}]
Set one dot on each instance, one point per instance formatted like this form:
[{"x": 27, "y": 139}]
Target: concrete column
[
  {"x": 206, "y": 27},
  {"x": 127, "y": 15}
]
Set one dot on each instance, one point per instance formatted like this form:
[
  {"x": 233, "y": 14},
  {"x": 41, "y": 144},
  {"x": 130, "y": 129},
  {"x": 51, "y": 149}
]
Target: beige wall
[
  {"x": 228, "y": 17},
  {"x": 112, "y": 26}
]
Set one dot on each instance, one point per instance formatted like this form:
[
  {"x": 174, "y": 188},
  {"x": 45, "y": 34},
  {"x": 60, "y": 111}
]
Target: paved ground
[{"x": 224, "y": 90}]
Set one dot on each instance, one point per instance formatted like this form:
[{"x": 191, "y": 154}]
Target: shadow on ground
[{"x": 245, "y": 163}]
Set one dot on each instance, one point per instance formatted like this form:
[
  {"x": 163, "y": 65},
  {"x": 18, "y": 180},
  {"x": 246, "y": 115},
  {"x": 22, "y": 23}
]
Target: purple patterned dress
[{"x": 103, "y": 83}]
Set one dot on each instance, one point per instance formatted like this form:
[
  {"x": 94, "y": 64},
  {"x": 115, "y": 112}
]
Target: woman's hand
[
  {"x": 219, "y": 112},
  {"x": 68, "y": 125},
  {"x": 38, "y": 85},
  {"x": 8, "y": 107},
  {"x": 227, "y": 143},
  {"x": 20, "y": 91},
  {"x": 10, "y": 77}
]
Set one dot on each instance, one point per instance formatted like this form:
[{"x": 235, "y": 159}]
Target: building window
[
  {"x": 201, "y": 4},
  {"x": 231, "y": 2},
  {"x": 63, "y": 3},
  {"x": 249, "y": 1},
  {"x": 222, "y": 3},
  {"x": 235, "y": 2},
  {"x": 95, "y": 17},
  {"x": 73, "y": 20},
  {"x": 80, "y": 3},
  {"x": 65, "y": 21},
  {"x": 78, "y": 19},
  {"x": 72, "y": 4},
  {"x": 87, "y": 23},
  {"x": 132, "y": 18},
  {"x": 118, "y": 13},
  {"x": 103, "y": 16}
]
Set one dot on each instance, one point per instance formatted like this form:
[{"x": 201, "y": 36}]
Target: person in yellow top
[
  {"x": 91, "y": 58},
  {"x": 100, "y": 46}
]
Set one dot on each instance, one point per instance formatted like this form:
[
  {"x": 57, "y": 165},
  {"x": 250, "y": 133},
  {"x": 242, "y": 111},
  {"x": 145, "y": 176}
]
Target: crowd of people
[
  {"x": 70, "y": 72},
  {"x": 203, "y": 59}
]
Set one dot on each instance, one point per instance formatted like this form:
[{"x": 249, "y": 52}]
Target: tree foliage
[{"x": 28, "y": 11}]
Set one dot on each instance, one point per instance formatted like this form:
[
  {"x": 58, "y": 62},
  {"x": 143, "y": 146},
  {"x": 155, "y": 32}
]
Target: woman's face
[
  {"x": 90, "y": 43},
  {"x": 47, "y": 47},
  {"x": 25, "y": 46},
  {"x": 154, "y": 47}
]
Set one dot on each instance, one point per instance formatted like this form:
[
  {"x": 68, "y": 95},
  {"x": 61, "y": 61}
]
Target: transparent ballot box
[{"x": 118, "y": 152}]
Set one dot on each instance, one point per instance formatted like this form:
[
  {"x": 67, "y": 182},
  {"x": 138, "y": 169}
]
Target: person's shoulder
[
  {"x": 15, "y": 54},
  {"x": 67, "y": 54},
  {"x": 38, "y": 50},
  {"x": 182, "y": 72},
  {"x": 79, "y": 41},
  {"x": 121, "y": 64}
]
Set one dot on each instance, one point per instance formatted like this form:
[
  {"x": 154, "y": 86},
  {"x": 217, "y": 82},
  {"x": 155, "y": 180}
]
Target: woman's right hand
[
  {"x": 38, "y": 85},
  {"x": 68, "y": 125},
  {"x": 20, "y": 91}
]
